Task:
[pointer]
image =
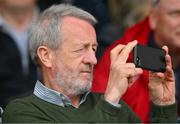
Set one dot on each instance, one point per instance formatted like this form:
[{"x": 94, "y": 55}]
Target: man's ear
[{"x": 45, "y": 55}]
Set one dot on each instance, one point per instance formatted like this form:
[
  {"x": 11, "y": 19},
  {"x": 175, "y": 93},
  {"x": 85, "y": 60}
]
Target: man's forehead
[
  {"x": 78, "y": 29},
  {"x": 74, "y": 20},
  {"x": 74, "y": 24}
]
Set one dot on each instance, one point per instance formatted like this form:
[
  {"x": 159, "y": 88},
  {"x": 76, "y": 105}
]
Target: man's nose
[{"x": 90, "y": 58}]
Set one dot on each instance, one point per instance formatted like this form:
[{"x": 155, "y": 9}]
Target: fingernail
[{"x": 135, "y": 41}]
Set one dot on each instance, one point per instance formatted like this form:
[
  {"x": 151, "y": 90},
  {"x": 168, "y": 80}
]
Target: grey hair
[
  {"x": 155, "y": 2},
  {"x": 47, "y": 30}
]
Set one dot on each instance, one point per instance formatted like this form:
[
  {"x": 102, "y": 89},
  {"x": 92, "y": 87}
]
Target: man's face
[
  {"x": 18, "y": 6},
  {"x": 167, "y": 23},
  {"x": 75, "y": 58}
]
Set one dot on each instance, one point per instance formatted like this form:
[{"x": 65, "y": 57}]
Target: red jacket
[{"x": 137, "y": 96}]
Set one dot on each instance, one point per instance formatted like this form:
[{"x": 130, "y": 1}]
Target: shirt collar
[{"x": 53, "y": 96}]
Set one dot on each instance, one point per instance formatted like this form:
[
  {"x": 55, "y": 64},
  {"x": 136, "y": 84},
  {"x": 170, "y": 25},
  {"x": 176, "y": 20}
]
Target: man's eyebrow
[{"x": 175, "y": 11}]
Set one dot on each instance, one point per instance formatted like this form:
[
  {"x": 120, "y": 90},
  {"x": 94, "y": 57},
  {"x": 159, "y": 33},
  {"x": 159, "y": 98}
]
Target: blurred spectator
[
  {"x": 128, "y": 12},
  {"x": 17, "y": 72},
  {"x": 122, "y": 14},
  {"x": 1, "y": 4},
  {"x": 162, "y": 27}
]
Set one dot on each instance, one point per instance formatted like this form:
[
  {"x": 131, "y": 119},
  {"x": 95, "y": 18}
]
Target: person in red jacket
[{"x": 161, "y": 27}]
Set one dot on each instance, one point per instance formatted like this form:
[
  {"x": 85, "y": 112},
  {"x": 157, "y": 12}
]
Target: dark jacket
[{"x": 13, "y": 83}]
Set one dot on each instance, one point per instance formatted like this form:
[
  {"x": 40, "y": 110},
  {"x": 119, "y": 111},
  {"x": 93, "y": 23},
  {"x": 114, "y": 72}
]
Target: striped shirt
[{"x": 53, "y": 96}]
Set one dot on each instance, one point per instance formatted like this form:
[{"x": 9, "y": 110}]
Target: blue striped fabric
[{"x": 53, "y": 96}]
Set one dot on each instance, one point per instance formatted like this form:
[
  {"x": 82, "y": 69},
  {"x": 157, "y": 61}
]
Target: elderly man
[
  {"x": 162, "y": 27},
  {"x": 63, "y": 45}
]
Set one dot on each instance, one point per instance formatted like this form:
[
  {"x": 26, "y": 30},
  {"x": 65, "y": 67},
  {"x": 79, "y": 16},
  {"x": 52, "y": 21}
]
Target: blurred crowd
[{"x": 18, "y": 73}]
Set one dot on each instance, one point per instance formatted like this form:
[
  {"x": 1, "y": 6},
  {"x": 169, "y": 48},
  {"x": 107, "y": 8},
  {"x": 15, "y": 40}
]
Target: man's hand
[
  {"x": 120, "y": 72},
  {"x": 162, "y": 85}
]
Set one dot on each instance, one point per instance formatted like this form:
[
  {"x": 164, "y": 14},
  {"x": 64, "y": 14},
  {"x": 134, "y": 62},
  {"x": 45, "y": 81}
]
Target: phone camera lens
[{"x": 138, "y": 61}]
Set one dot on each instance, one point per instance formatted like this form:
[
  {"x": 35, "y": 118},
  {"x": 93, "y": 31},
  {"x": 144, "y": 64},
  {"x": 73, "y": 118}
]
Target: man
[
  {"x": 18, "y": 73},
  {"x": 63, "y": 45},
  {"x": 161, "y": 28}
]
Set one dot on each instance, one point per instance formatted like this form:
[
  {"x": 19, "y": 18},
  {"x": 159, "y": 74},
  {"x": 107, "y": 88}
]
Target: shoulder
[
  {"x": 18, "y": 104},
  {"x": 20, "y": 110}
]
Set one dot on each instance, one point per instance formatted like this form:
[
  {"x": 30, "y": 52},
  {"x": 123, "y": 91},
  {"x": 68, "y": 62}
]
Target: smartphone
[{"x": 149, "y": 58}]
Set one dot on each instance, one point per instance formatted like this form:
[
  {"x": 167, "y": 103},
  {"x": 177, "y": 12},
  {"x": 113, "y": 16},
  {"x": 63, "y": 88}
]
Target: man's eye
[{"x": 79, "y": 50}]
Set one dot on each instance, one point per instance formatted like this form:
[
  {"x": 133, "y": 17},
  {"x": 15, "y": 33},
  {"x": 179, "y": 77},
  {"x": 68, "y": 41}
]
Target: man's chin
[
  {"x": 85, "y": 81},
  {"x": 82, "y": 90},
  {"x": 86, "y": 84}
]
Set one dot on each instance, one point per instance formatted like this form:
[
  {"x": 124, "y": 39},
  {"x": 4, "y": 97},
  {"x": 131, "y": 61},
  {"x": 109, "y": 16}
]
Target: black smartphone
[{"x": 149, "y": 58}]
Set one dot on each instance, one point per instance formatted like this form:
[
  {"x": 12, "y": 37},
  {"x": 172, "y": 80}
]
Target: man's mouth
[{"x": 88, "y": 72}]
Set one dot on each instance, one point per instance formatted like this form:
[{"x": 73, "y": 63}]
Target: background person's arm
[{"x": 162, "y": 93}]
